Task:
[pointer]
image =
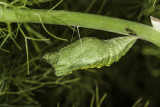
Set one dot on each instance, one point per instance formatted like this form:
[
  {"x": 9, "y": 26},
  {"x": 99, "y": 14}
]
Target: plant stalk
[{"x": 85, "y": 20}]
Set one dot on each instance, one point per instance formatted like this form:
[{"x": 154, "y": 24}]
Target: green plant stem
[{"x": 82, "y": 20}]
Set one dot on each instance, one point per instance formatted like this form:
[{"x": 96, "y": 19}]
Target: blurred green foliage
[{"x": 133, "y": 81}]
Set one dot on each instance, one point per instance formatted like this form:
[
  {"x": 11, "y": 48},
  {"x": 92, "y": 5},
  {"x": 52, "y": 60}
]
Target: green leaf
[{"x": 89, "y": 53}]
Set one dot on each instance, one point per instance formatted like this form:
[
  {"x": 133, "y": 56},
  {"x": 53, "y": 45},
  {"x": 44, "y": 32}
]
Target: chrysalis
[{"x": 95, "y": 53}]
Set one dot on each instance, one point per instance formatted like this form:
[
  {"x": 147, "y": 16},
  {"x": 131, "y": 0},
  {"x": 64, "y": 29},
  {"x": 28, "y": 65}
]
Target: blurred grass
[{"x": 136, "y": 75}]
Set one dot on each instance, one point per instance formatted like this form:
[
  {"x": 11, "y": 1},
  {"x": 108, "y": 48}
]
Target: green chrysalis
[{"x": 91, "y": 53}]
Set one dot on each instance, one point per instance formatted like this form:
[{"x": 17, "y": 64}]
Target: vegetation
[{"x": 31, "y": 28}]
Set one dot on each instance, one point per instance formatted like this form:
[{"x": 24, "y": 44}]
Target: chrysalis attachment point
[{"x": 130, "y": 32}]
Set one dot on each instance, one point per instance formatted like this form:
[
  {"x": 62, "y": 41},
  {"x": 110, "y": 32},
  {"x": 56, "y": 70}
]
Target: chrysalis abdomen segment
[
  {"x": 91, "y": 53},
  {"x": 119, "y": 47}
]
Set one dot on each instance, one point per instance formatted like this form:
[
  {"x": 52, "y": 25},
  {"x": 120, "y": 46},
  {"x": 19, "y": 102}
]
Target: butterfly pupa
[{"x": 96, "y": 53}]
